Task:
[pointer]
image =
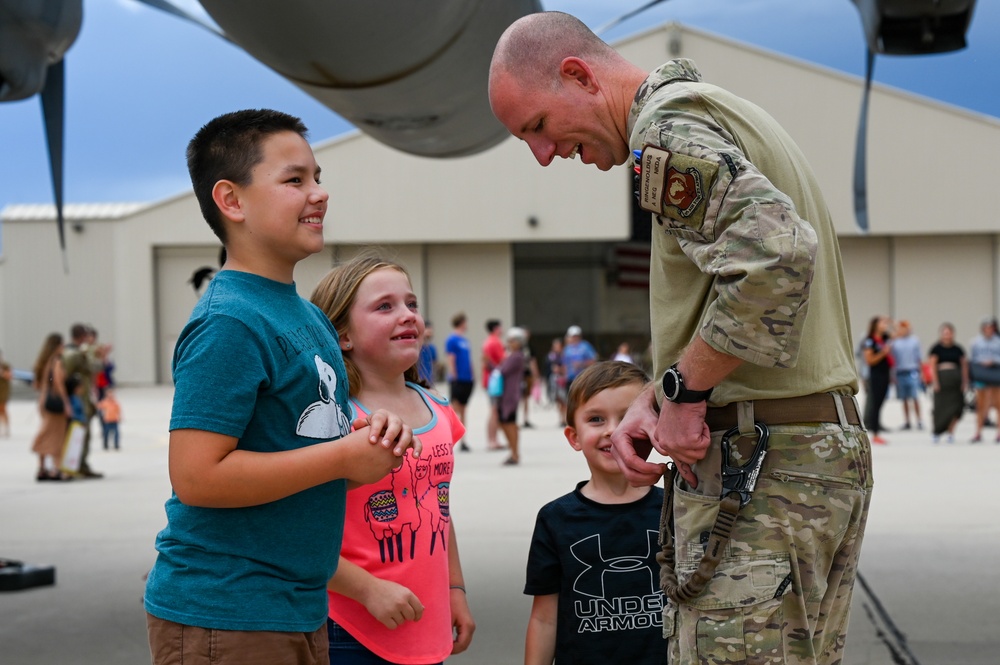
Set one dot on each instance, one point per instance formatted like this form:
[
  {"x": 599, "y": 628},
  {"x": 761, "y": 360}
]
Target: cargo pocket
[{"x": 739, "y": 616}]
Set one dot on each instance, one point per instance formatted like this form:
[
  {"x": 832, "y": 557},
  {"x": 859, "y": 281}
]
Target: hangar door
[{"x": 176, "y": 297}]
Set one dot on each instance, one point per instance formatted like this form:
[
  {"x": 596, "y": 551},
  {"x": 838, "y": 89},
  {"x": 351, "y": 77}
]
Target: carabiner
[{"x": 743, "y": 479}]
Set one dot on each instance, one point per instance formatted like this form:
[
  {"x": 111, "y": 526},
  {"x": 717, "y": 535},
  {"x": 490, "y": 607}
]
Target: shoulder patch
[{"x": 675, "y": 185}]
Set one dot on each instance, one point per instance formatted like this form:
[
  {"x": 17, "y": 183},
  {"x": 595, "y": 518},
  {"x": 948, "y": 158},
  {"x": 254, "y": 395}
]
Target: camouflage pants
[{"x": 782, "y": 593}]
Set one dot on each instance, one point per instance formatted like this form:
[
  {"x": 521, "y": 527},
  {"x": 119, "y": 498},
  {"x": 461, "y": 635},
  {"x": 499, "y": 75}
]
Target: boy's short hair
[
  {"x": 458, "y": 320},
  {"x": 228, "y": 148},
  {"x": 600, "y": 376},
  {"x": 492, "y": 324}
]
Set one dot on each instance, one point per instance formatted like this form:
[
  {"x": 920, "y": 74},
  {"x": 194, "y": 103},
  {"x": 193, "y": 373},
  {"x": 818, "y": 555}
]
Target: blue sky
[{"x": 141, "y": 82}]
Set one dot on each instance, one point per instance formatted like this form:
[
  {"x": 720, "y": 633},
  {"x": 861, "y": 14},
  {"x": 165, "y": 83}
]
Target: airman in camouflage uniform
[{"x": 748, "y": 300}]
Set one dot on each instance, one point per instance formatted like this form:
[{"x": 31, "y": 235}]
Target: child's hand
[
  {"x": 392, "y": 431},
  {"x": 393, "y": 604},
  {"x": 366, "y": 463}
]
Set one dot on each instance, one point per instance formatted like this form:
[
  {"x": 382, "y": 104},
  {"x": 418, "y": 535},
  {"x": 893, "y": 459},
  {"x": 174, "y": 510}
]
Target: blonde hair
[{"x": 335, "y": 295}]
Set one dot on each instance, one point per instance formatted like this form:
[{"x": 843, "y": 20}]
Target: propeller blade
[
  {"x": 861, "y": 150},
  {"x": 54, "y": 114},
  {"x": 624, "y": 17}
]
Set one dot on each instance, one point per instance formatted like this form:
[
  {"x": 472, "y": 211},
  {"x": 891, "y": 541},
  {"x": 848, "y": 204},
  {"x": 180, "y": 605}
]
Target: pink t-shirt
[{"x": 397, "y": 529}]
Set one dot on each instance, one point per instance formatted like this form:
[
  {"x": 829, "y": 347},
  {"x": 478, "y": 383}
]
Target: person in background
[
  {"x": 428, "y": 356},
  {"x": 493, "y": 353},
  {"x": 877, "y": 352},
  {"x": 949, "y": 371},
  {"x": 984, "y": 371},
  {"x": 512, "y": 368},
  {"x": 111, "y": 415},
  {"x": 84, "y": 358},
  {"x": 624, "y": 353},
  {"x": 578, "y": 354},
  {"x": 6, "y": 374},
  {"x": 460, "y": 375},
  {"x": 555, "y": 378},
  {"x": 907, "y": 359},
  {"x": 53, "y": 407},
  {"x": 532, "y": 378}
]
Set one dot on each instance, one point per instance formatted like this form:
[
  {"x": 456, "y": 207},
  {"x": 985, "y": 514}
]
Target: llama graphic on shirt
[
  {"x": 390, "y": 512},
  {"x": 431, "y": 489},
  {"x": 324, "y": 419}
]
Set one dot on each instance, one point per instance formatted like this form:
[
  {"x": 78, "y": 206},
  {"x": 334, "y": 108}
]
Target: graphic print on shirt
[
  {"x": 428, "y": 492},
  {"x": 324, "y": 419},
  {"x": 416, "y": 503},
  {"x": 391, "y": 512},
  {"x": 619, "y": 592}
]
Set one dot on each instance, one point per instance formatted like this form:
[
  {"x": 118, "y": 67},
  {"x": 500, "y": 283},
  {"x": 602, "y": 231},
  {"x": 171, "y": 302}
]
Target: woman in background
[
  {"x": 877, "y": 350},
  {"x": 949, "y": 372},
  {"x": 50, "y": 382}
]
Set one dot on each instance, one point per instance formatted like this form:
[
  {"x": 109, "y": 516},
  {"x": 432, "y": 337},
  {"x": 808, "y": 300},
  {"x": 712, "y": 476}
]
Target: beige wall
[{"x": 925, "y": 279}]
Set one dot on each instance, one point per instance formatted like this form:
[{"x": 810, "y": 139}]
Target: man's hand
[
  {"x": 631, "y": 442},
  {"x": 682, "y": 434}
]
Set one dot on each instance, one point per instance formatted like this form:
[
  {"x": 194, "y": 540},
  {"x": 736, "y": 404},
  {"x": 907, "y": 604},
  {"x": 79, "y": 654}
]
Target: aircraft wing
[{"x": 413, "y": 75}]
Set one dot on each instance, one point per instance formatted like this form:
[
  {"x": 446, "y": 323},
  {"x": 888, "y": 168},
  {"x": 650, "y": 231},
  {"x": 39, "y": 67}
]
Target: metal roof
[{"x": 71, "y": 211}]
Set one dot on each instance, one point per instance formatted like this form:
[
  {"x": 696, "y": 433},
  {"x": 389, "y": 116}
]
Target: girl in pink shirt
[{"x": 398, "y": 595}]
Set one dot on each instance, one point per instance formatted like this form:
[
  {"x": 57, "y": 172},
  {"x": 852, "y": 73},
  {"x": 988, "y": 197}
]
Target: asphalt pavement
[{"x": 926, "y": 558}]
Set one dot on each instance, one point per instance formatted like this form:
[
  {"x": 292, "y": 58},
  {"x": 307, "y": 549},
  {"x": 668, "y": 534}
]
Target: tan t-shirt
[{"x": 744, "y": 251}]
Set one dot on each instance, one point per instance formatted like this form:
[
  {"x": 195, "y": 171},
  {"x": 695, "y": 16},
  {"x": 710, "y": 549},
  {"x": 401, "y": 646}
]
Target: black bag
[
  {"x": 986, "y": 374},
  {"x": 54, "y": 403}
]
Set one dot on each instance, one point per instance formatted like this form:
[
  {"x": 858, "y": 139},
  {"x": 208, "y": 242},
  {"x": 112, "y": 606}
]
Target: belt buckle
[{"x": 742, "y": 479}]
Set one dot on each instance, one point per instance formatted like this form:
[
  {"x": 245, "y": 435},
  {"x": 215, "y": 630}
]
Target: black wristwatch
[{"x": 674, "y": 389}]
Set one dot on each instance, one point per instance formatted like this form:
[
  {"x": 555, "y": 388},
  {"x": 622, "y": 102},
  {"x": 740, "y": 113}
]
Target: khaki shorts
[{"x": 176, "y": 644}]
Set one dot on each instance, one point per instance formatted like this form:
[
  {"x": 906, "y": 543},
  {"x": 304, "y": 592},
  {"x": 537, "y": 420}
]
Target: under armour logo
[{"x": 591, "y": 581}]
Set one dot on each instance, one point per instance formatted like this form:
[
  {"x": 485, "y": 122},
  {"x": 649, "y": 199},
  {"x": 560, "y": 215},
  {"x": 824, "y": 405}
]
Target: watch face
[{"x": 671, "y": 384}]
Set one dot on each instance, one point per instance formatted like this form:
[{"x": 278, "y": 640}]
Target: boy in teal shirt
[{"x": 261, "y": 449}]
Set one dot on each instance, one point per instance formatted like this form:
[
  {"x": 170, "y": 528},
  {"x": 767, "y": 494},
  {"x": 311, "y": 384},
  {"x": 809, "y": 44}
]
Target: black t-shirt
[
  {"x": 948, "y": 354},
  {"x": 601, "y": 560},
  {"x": 882, "y": 367}
]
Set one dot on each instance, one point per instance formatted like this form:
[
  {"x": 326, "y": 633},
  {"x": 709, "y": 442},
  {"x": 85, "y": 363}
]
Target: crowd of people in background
[
  {"x": 518, "y": 378},
  {"x": 74, "y": 382},
  {"x": 891, "y": 355}
]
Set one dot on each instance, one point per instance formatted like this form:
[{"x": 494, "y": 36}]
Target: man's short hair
[
  {"x": 600, "y": 376},
  {"x": 532, "y": 47},
  {"x": 228, "y": 148},
  {"x": 458, "y": 319},
  {"x": 492, "y": 324}
]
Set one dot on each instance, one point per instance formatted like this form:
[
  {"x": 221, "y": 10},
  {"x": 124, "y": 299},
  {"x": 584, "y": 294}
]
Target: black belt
[{"x": 817, "y": 408}]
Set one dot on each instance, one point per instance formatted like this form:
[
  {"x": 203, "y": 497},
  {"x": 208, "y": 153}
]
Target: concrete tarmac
[{"x": 926, "y": 554}]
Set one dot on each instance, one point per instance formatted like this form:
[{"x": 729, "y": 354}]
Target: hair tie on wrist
[{"x": 458, "y": 586}]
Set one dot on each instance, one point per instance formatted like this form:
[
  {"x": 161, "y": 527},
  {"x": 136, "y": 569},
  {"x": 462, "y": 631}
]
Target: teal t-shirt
[{"x": 259, "y": 363}]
